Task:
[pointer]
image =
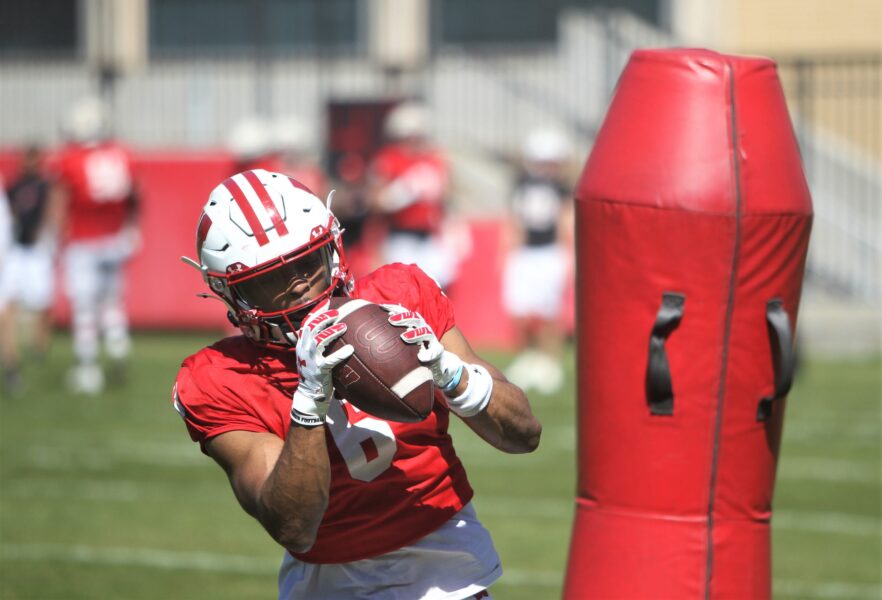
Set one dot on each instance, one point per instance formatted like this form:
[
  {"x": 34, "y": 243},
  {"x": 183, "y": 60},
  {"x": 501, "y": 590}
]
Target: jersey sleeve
[
  {"x": 409, "y": 286},
  {"x": 209, "y": 406}
]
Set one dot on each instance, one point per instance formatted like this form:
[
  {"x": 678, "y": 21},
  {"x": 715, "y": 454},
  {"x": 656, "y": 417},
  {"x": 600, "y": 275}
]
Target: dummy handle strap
[
  {"x": 783, "y": 355},
  {"x": 659, "y": 388}
]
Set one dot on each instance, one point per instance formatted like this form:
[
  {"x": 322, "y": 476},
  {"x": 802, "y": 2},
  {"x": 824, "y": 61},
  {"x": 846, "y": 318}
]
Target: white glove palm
[
  {"x": 310, "y": 403},
  {"x": 446, "y": 366}
]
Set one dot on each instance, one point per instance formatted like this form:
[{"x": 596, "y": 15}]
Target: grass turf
[{"x": 106, "y": 497}]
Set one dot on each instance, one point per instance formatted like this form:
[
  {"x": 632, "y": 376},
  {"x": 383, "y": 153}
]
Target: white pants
[
  {"x": 454, "y": 562},
  {"x": 27, "y": 278},
  {"x": 534, "y": 281},
  {"x": 94, "y": 285}
]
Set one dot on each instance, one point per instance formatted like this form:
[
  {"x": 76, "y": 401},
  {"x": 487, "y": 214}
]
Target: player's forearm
[
  {"x": 294, "y": 497},
  {"x": 507, "y": 423}
]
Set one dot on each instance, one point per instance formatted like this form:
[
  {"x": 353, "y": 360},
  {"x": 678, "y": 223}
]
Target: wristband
[
  {"x": 477, "y": 394},
  {"x": 457, "y": 377},
  {"x": 307, "y": 411},
  {"x": 305, "y": 420}
]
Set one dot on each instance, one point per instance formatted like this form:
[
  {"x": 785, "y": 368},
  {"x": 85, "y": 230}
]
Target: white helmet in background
[
  {"x": 250, "y": 138},
  {"x": 546, "y": 146},
  {"x": 407, "y": 120},
  {"x": 291, "y": 134},
  {"x": 271, "y": 250},
  {"x": 87, "y": 121}
]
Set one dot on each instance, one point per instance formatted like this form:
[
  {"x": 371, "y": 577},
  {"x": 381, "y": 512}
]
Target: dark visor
[{"x": 287, "y": 285}]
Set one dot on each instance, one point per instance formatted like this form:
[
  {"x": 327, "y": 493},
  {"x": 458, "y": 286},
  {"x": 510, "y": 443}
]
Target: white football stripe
[
  {"x": 412, "y": 381},
  {"x": 351, "y": 306}
]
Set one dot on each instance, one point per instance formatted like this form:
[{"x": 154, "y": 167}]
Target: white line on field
[
  {"x": 827, "y": 522},
  {"x": 196, "y": 561},
  {"x": 827, "y": 589},
  {"x": 63, "y": 458},
  {"x": 827, "y": 469},
  {"x": 784, "y": 519},
  {"x": 140, "y": 557},
  {"x": 855, "y": 433},
  {"x": 95, "y": 490},
  {"x": 249, "y": 565}
]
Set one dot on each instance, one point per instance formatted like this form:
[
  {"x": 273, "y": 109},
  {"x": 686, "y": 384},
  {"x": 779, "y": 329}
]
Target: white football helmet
[
  {"x": 87, "y": 121},
  {"x": 271, "y": 250},
  {"x": 407, "y": 120},
  {"x": 546, "y": 145}
]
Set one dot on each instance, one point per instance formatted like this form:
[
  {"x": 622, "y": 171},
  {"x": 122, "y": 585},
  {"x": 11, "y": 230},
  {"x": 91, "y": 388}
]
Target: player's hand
[
  {"x": 446, "y": 366},
  {"x": 311, "y": 399}
]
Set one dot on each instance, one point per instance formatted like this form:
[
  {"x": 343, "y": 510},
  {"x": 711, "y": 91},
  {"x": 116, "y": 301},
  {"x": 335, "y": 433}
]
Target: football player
[
  {"x": 363, "y": 507},
  {"x": 27, "y": 276},
  {"x": 282, "y": 144},
  {"x": 409, "y": 182},
  {"x": 539, "y": 260},
  {"x": 95, "y": 196}
]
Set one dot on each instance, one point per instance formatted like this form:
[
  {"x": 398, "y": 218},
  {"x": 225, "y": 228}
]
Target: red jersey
[
  {"x": 391, "y": 483},
  {"x": 422, "y": 175},
  {"x": 99, "y": 183}
]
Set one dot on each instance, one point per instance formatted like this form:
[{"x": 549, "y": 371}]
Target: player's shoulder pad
[
  {"x": 396, "y": 283},
  {"x": 202, "y": 375}
]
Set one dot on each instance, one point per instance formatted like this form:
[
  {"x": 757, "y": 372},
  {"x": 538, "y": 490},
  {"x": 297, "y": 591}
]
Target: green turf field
[{"x": 106, "y": 498}]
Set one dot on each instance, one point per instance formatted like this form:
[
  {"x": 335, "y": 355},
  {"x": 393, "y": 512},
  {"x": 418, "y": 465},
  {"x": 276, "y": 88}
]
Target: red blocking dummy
[{"x": 693, "y": 220}]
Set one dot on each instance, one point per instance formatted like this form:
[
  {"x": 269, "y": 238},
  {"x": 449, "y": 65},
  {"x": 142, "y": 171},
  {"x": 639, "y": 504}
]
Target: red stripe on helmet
[
  {"x": 201, "y": 234},
  {"x": 267, "y": 202},
  {"x": 248, "y": 211},
  {"x": 300, "y": 186}
]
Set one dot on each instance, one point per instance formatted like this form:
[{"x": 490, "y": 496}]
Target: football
[{"x": 383, "y": 376}]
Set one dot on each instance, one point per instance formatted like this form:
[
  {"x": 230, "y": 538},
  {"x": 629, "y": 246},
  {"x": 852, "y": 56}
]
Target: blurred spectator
[
  {"x": 98, "y": 207},
  {"x": 27, "y": 277},
  {"x": 539, "y": 260},
  {"x": 409, "y": 187}
]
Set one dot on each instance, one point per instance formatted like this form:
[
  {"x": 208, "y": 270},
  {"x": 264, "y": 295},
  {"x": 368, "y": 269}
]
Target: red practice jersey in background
[
  {"x": 391, "y": 483},
  {"x": 424, "y": 176},
  {"x": 99, "y": 182}
]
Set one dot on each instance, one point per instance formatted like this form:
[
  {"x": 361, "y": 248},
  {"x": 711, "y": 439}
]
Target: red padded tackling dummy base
[{"x": 693, "y": 220}]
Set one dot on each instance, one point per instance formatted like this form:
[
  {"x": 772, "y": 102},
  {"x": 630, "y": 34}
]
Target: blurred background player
[
  {"x": 27, "y": 277},
  {"x": 10, "y": 377},
  {"x": 284, "y": 144},
  {"x": 295, "y": 146},
  {"x": 5, "y": 225},
  {"x": 99, "y": 209},
  {"x": 538, "y": 262},
  {"x": 251, "y": 145},
  {"x": 409, "y": 187}
]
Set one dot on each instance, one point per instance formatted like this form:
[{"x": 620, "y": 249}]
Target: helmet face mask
[
  {"x": 271, "y": 251},
  {"x": 289, "y": 283}
]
